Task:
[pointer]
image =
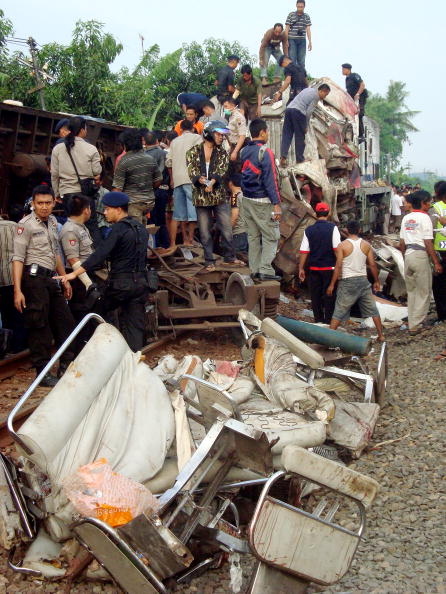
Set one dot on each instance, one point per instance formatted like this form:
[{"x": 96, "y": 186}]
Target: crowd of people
[
  {"x": 210, "y": 179},
  {"x": 339, "y": 271}
]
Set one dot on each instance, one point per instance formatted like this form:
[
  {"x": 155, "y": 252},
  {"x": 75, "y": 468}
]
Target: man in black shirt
[
  {"x": 126, "y": 250},
  {"x": 356, "y": 89},
  {"x": 225, "y": 82},
  {"x": 295, "y": 78}
]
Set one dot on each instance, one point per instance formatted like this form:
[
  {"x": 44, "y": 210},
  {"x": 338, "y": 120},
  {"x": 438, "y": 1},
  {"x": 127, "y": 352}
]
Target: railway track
[{"x": 10, "y": 366}]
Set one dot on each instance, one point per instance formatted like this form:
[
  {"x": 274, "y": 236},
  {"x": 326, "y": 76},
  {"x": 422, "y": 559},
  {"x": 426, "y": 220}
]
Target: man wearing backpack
[{"x": 261, "y": 202}]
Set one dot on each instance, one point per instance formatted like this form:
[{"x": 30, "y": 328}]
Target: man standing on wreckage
[{"x": 127, "y": 286}]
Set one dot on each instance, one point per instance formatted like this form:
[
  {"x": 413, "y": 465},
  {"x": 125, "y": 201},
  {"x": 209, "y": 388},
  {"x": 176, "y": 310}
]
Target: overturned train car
[
  {"x": 338, "y": 170},
  {"x": 27, "y": 137}
]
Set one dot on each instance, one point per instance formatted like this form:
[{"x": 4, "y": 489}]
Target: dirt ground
[{"x": 404, "y": 548}]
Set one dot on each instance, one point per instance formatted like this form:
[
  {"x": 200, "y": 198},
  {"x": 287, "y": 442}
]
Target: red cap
[{"x": 322, "y": 207}]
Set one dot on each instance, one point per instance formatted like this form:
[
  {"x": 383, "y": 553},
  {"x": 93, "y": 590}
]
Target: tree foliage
[
  {"x": 84, "y": 82},
  {"x": 394, "y": 118}
]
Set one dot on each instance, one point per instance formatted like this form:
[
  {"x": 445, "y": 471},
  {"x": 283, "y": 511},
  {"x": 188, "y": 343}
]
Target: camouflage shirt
[{"x": 218, "y": 166}]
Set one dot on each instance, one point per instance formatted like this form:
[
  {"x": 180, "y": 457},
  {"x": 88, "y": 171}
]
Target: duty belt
[
  {"x": 415, "y": 246},
  {"x": 115, "y": 275},
  {"x": 41, "y": 271},
  {"x": 259, "y": 200}
]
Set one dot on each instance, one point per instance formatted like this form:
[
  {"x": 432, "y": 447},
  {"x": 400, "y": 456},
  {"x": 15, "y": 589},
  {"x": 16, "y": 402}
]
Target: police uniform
[
  {"x": 76, "y": 243},
  {"x": 46, "y": 314},
  {"x": 439, "y": 280},
  {"x": 126, "y": 250}
]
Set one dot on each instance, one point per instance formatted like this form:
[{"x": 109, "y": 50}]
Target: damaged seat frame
[{"x": 142, "y": 554}]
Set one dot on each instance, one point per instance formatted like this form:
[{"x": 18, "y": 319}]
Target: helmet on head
[{"x": 215, "y": 126}]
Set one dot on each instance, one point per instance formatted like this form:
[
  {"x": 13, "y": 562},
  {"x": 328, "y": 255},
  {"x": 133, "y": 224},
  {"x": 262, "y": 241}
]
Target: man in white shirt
[
  {"x": 396, "y": 203},
  {"x": 416, "y": 244},
  {"x": 183, "y": 209}
]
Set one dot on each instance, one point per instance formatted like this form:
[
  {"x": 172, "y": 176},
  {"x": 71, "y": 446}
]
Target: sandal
[
  {"x": 238, "y": 263},
  {"x": 210, "y": 268}
]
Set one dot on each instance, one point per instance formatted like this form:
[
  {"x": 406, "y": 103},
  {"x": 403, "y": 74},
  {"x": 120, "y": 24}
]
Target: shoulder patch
[
  {"x": 73, "y": 242},
  {"x": 20, "y": 230}
]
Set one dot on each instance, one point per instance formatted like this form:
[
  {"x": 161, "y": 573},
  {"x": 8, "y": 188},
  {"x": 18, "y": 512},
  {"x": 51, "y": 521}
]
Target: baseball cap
[{"x": 322, "y": 207}]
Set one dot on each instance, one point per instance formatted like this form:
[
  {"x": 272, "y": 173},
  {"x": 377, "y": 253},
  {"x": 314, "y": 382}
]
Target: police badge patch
[
  {"x": 20, "y": 230},
  {"x": 72, "y": 242}
]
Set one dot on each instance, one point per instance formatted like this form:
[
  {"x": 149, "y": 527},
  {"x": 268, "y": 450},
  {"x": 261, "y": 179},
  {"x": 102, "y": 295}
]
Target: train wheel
[{"x": 235, "y": 293}]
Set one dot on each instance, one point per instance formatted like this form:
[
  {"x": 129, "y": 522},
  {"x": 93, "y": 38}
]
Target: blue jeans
[
  {"x": 240, "y": 242},
  {"x": 222, "y": 213},
  {"x": 298, "y": 50},
  {"x": 183, "y": 208},
  {"x": 270, "y": 51}
]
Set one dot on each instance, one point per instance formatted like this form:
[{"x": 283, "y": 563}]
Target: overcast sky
[{"x": 392, "y": 40}]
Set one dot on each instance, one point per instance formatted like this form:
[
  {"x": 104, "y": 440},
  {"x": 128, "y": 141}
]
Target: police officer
[
  {"x": 439, "y": 281},
  {"x": 356, "y": 89},
  {"x": 77, "y": 245},
  {"x": 126, "y": 250},
  {"x": 36, "y": 292}
]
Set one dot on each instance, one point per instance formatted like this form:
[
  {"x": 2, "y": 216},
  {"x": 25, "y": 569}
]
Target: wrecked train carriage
[
  {"x": 27, "y": 136},
  {"x": 187, "y": 529},
  {"x": 339, "y": 170}
]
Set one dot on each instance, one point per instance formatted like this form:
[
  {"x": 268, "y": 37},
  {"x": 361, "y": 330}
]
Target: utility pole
[
  {"x": 35, "y": 64},
  {"x": 142, "y": 44}
]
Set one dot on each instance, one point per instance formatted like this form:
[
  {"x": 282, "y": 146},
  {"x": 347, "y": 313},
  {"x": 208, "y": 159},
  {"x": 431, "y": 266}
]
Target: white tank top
[{"x": 355, "y": 263}]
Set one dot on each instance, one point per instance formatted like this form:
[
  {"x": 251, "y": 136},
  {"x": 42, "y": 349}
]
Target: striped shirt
[
  {"x": 7, "y": 233},
  {"x": 135, "y": 175},
  {"x": 298, "y": 24}
]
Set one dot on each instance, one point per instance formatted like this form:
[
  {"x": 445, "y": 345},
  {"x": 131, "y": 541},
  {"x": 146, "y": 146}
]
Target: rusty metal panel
[
  {"x": 31, "y": 132},
  {"x": 275, "y": 126},
  {"x": 166, "y": 554},
  {"x": 302, "y": 545}
]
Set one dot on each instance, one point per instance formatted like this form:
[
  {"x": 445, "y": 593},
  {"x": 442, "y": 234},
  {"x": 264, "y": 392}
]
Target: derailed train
[
  {"x": 339, "y": 170},
  {"x": 187, "y": 297}
]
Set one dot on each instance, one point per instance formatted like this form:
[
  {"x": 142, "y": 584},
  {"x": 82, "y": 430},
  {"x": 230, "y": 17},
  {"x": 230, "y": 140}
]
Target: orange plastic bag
[{"x": 96, "y": 491}]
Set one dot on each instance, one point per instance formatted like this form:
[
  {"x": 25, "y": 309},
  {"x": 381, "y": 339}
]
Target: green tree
[
  {"x": 394, "y": 118},
  {"x": 83, "y": 82},
  {"x": 201, "y": 61},
  {"x": 12, "y": 74},
  {"x": 82, "y": 70}
]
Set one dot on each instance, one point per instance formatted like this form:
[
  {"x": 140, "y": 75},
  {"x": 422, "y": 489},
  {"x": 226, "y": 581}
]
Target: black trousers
[
  {"x": 46, "y": 316},
  {"x": 323, "y": 305},
  {"x": 128, "y": 292},
  {"x": 362, "y": 102},
  {"x": 439, "y": 288},
  {"x": 295, "y": 124}
]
